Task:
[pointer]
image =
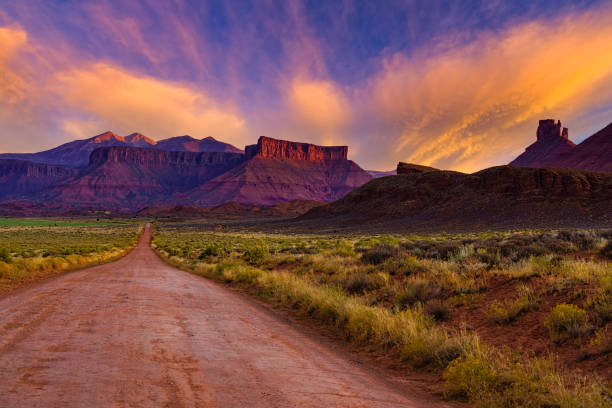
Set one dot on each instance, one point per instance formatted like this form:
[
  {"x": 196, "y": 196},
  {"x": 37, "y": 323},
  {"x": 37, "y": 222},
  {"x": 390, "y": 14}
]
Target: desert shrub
[
  {"x": 602, "y": 306},
  {"x": 503, "y": 380},
  {"x": 361, "y": 282},
  {"x": 344, "y": 250},
  {"x": 506, "y": 311},
  {"x": 606, "y": 251},
  {"x": 435, "y": 347},
  {"x": 379, "y": 253},
  {"x": 601, "y": 302},
  {"x": 447, "y": 249},
  {"x": 546, "y": 266},
  {"x": 492, "y": 257},
  {"x": 256, "y": 254},
  {"x": 602, "y": 341},
  {"x": 584, "y": 240},
  {"x": 438, "y": 309},
  {"x": 566, "y": 321},
  {"x": 5, "y": 256},
  {"x": 405, "y": 266},
  {"x": 467, "y": 378},
  {"x": 463, "y": 252},
  {"x": 417, "y": 290},
  {"x": 172, "y": 252},
  {"x": 209, "y": 252}
]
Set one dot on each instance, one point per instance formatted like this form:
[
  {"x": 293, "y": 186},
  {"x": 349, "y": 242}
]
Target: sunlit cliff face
[{"x": 461, "y": 88}]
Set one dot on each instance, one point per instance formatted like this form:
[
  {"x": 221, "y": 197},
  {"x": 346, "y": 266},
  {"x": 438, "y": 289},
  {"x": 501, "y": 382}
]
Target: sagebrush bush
[
  {"x": 379, "y": 253},
  {"x": 601, "y": 302},
  {"x": 566, "y": 321},
  {"x": 438, "y": 309},
  {"x": 5, "y": 256},
  {"x": 500, "y": 379},
  {"x": 209, "y": 252},
  {"x": 362, "y": 282},
  {"x": 417, "y": 290},
  {"x": 606, "y": 251},
  {"x": 256, "y": 254},
  {"x": 583, "y": 240},
  {"x": 506, "y": 311}
]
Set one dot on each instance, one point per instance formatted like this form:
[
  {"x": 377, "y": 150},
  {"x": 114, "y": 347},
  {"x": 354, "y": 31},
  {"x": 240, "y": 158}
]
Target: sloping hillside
[
  {"x": 504, "y": 196},
  {"x": 21, "y": 177}
]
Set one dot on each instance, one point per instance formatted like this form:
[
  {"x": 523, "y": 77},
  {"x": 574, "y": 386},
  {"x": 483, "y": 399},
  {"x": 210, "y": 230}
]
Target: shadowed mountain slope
[
  {"x": 234, "y": 210},
  {"x": 20, "y": 177},
  {"x": 504, "y": 196}
]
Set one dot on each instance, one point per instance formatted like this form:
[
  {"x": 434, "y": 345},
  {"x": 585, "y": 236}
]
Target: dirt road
[{"x": 139, "y": 333}]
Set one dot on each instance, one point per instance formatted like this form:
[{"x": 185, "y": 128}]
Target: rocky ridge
[
  {"x": 268, "y": 148},
  {"x": 553, "y": 148},
  {"x": 497, "y": 197}
]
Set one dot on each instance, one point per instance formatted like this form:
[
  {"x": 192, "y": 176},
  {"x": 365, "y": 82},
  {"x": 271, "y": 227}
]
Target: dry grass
[{"x": 395, "y": 293}]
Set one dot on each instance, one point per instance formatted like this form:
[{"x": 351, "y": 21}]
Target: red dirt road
[{"x": 139, "y": 333}]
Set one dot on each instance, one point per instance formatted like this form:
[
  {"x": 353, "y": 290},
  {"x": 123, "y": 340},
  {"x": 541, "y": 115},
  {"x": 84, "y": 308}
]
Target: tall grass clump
[
  {"x": 501, "y": 379},
  {"x": 506, "y": 311},
  {"x": 566, "y": 321}
]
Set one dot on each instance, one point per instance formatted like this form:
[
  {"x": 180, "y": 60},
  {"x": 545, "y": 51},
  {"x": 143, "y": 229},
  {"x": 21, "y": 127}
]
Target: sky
[{"x": 452, "y": 84}]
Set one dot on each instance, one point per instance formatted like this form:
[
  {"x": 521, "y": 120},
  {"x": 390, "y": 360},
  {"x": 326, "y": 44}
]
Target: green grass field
[
  {"x": 32, "y": 249},
  {"x": 541, "y": 299},
  {"x": 31, "y": 222}
]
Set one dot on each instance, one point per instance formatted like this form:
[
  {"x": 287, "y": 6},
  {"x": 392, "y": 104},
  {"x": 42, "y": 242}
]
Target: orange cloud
[
  {"x": 477, "y": 104},
  {"x": 321, "y": 108},
  {"x": 118, "y": 99},
  {"x": 12, "y": 85}
]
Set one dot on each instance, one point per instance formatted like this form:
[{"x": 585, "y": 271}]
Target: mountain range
[
  {"x": 133, "y": 172},
  {"x": 77, "y": 152}
]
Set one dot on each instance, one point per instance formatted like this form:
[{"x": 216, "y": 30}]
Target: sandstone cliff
[
  {"x": 268, "y": 148},
  {"x": 552, "y": 148},
  {"x": 279, "y": 170},
  {"x": 130, "y": 178}
]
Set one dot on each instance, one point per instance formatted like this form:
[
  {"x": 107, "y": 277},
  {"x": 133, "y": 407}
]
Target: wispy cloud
[
  {"x": 126, "y": 102},
  {"x": 474, "y": 105},
  {"x": 389, "y": 82}
]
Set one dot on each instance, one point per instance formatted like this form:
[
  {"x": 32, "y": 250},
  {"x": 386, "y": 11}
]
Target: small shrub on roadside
[
  {"x": 502, "y": 379},
  {"x": 566, "y": 321}
]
